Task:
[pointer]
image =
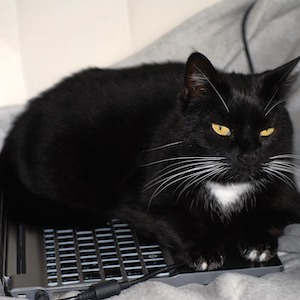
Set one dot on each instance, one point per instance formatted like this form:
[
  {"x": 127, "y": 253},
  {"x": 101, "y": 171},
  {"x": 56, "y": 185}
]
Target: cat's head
[
  {"x": 232, "y": 137},
  {"x": 241, "y": 118}
]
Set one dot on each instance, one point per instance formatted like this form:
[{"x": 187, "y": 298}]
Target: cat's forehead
[
  {"x": 244, "y": 93},
  {"x": 243, "y": 85},
  {"x": 244, "y": 98}
]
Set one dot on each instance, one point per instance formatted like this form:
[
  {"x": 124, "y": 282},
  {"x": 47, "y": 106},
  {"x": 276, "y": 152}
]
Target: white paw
[
  {"x": 203, "y": 266},
  {"x": 256, "y": 255},
  {"x": 213, "y": 263}
]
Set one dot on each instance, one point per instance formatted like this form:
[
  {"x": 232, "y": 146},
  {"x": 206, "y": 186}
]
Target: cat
[{"x": 198, "y": 159}]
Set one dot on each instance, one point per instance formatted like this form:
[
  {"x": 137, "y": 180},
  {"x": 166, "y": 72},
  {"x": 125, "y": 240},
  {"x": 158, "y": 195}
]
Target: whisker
[
  {"x": 173, "y": 179},
  {"x": 214, "y": 88},
  {"x": 285, "y": 156},
  {"x": 198, "y": 158},
  {"x": 283, "y": 77},
  {"x": 184, "y": 173},
  {"x": 274, "y": 106},
  {"x": 166, "y": 182},
  {"x": 163, "y": 146},
  {"x": 271, "y": 100},
  {"x": 182, "y": 167},
  {"x": 184, "y": 164},
  {"x": 272, "y": 172},
  {"x": 192, "y": 203},
  {"x": 288, "y": 168},
  {"x": 196, "y": 180}
]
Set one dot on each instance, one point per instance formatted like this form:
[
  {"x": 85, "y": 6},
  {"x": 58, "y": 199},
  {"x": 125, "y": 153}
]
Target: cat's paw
[
  {"x": 260, "y": 251},
  {"x": 207, "y": 260}
]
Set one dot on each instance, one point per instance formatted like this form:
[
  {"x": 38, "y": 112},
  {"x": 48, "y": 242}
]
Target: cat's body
[{"x": 204, "y": 173}]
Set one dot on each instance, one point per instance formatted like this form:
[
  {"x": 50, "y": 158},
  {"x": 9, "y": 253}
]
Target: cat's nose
[
  {"x": 246, "y": 157},
  {"x": 249, "y": 160}
]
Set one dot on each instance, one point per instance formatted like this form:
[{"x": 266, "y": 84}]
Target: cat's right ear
[{"x": 199, "y": 75}]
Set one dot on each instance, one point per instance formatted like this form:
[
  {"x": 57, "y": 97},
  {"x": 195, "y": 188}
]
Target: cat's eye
[
  {"x": 221, "y": 129},
  {"x": 267, "y": 132}
]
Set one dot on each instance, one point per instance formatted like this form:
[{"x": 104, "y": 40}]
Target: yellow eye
[
  {"x": 221, "y": 129},
  {"x": 267, "y": 132}
]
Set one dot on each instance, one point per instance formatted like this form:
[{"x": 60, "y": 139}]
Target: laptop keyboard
[{"x": 110, "y": 252}]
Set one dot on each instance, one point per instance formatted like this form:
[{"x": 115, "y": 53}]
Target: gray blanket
[{"x": 274, "y": 38}]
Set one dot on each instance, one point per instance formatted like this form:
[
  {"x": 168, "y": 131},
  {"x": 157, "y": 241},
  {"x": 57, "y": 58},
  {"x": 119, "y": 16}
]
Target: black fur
[{"x": 129, "y": 143}]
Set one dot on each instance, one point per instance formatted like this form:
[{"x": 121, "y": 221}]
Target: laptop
[{"x": 62, "y": 261}]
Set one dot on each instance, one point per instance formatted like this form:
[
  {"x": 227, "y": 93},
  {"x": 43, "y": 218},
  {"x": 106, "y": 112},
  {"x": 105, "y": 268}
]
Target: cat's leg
[
  {"x": 258, "y": 245},
  {"x": 206, "y": 254},
  {"x": 190, "y": 241},
  {"x": 257, "y": 238}
]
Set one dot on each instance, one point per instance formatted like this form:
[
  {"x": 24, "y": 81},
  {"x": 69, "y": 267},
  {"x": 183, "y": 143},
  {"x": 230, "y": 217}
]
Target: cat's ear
[
  {"x": 199, "y": 76},
  {"x": 281, "y": 77},
  {"x": 276, "y": 84}
]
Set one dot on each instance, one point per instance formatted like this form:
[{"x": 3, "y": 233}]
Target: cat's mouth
[
  {"x": 279, "y": 167},
  {"x": 244, "y": 174}
]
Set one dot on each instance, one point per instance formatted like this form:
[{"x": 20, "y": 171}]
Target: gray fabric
[
  {"x": 7, "y": 115},
  {"x": 274, "y": 38}
]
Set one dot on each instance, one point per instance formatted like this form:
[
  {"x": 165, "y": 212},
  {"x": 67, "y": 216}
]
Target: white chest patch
[{"x": 228, "y": 194}]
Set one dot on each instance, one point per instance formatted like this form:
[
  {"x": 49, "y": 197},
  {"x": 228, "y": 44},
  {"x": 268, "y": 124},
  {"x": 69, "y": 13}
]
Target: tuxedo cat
[{"x": 198, "y": 159}]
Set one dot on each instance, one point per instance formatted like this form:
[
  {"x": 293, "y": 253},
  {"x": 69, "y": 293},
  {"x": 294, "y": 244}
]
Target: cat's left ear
[
  {"x": 281, "y": 77},
  {"x": 199, "y": 75}
]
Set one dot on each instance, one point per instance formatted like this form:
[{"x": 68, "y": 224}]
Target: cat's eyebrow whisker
[
  {"x": 270, "y": 101},
  {"x": 274, "y": 106},
  {"x": 214, "y": 88},
  {"x": 162, "y": 146}
]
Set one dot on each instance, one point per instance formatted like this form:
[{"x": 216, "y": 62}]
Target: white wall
[{"x": 43, "y": 40}]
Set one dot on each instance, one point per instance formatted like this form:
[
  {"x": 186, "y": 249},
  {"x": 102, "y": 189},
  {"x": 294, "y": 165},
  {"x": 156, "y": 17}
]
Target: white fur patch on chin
[{"x": 228, "y": 195}]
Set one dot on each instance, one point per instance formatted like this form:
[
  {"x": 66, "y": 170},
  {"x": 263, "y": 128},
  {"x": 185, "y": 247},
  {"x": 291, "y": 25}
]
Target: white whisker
[
  {"x": 196, "y": 158},
  {"x": 166, "y": 183},
  {"x": 272, "y": 172},
  {"x": 184, "y": 173},
  {"x": 270, "y": 101},
  {"x": 214, "y": 88},
  {"x": 195, "y": 180},
  {"x": 184, "y": 164},
  {"x": 285, "y": 156},
  {"x": 158, "y": 179},
  {"x": 163, "y": 146},
  {"x": 274, "y": 105}
]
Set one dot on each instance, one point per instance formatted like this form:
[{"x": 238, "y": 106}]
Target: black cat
[{"x": 198, "y": 159}]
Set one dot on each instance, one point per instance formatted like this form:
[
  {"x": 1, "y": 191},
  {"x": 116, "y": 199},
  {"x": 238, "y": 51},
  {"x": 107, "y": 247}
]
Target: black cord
[
  {"x": 105, "y": 289},
  {"x": 244, "y": 37}
]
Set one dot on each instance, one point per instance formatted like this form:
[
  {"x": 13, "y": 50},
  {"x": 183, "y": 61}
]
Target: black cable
[
  {"x": 244, "y": 37},
  {"x": 105, "y": 289}
]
